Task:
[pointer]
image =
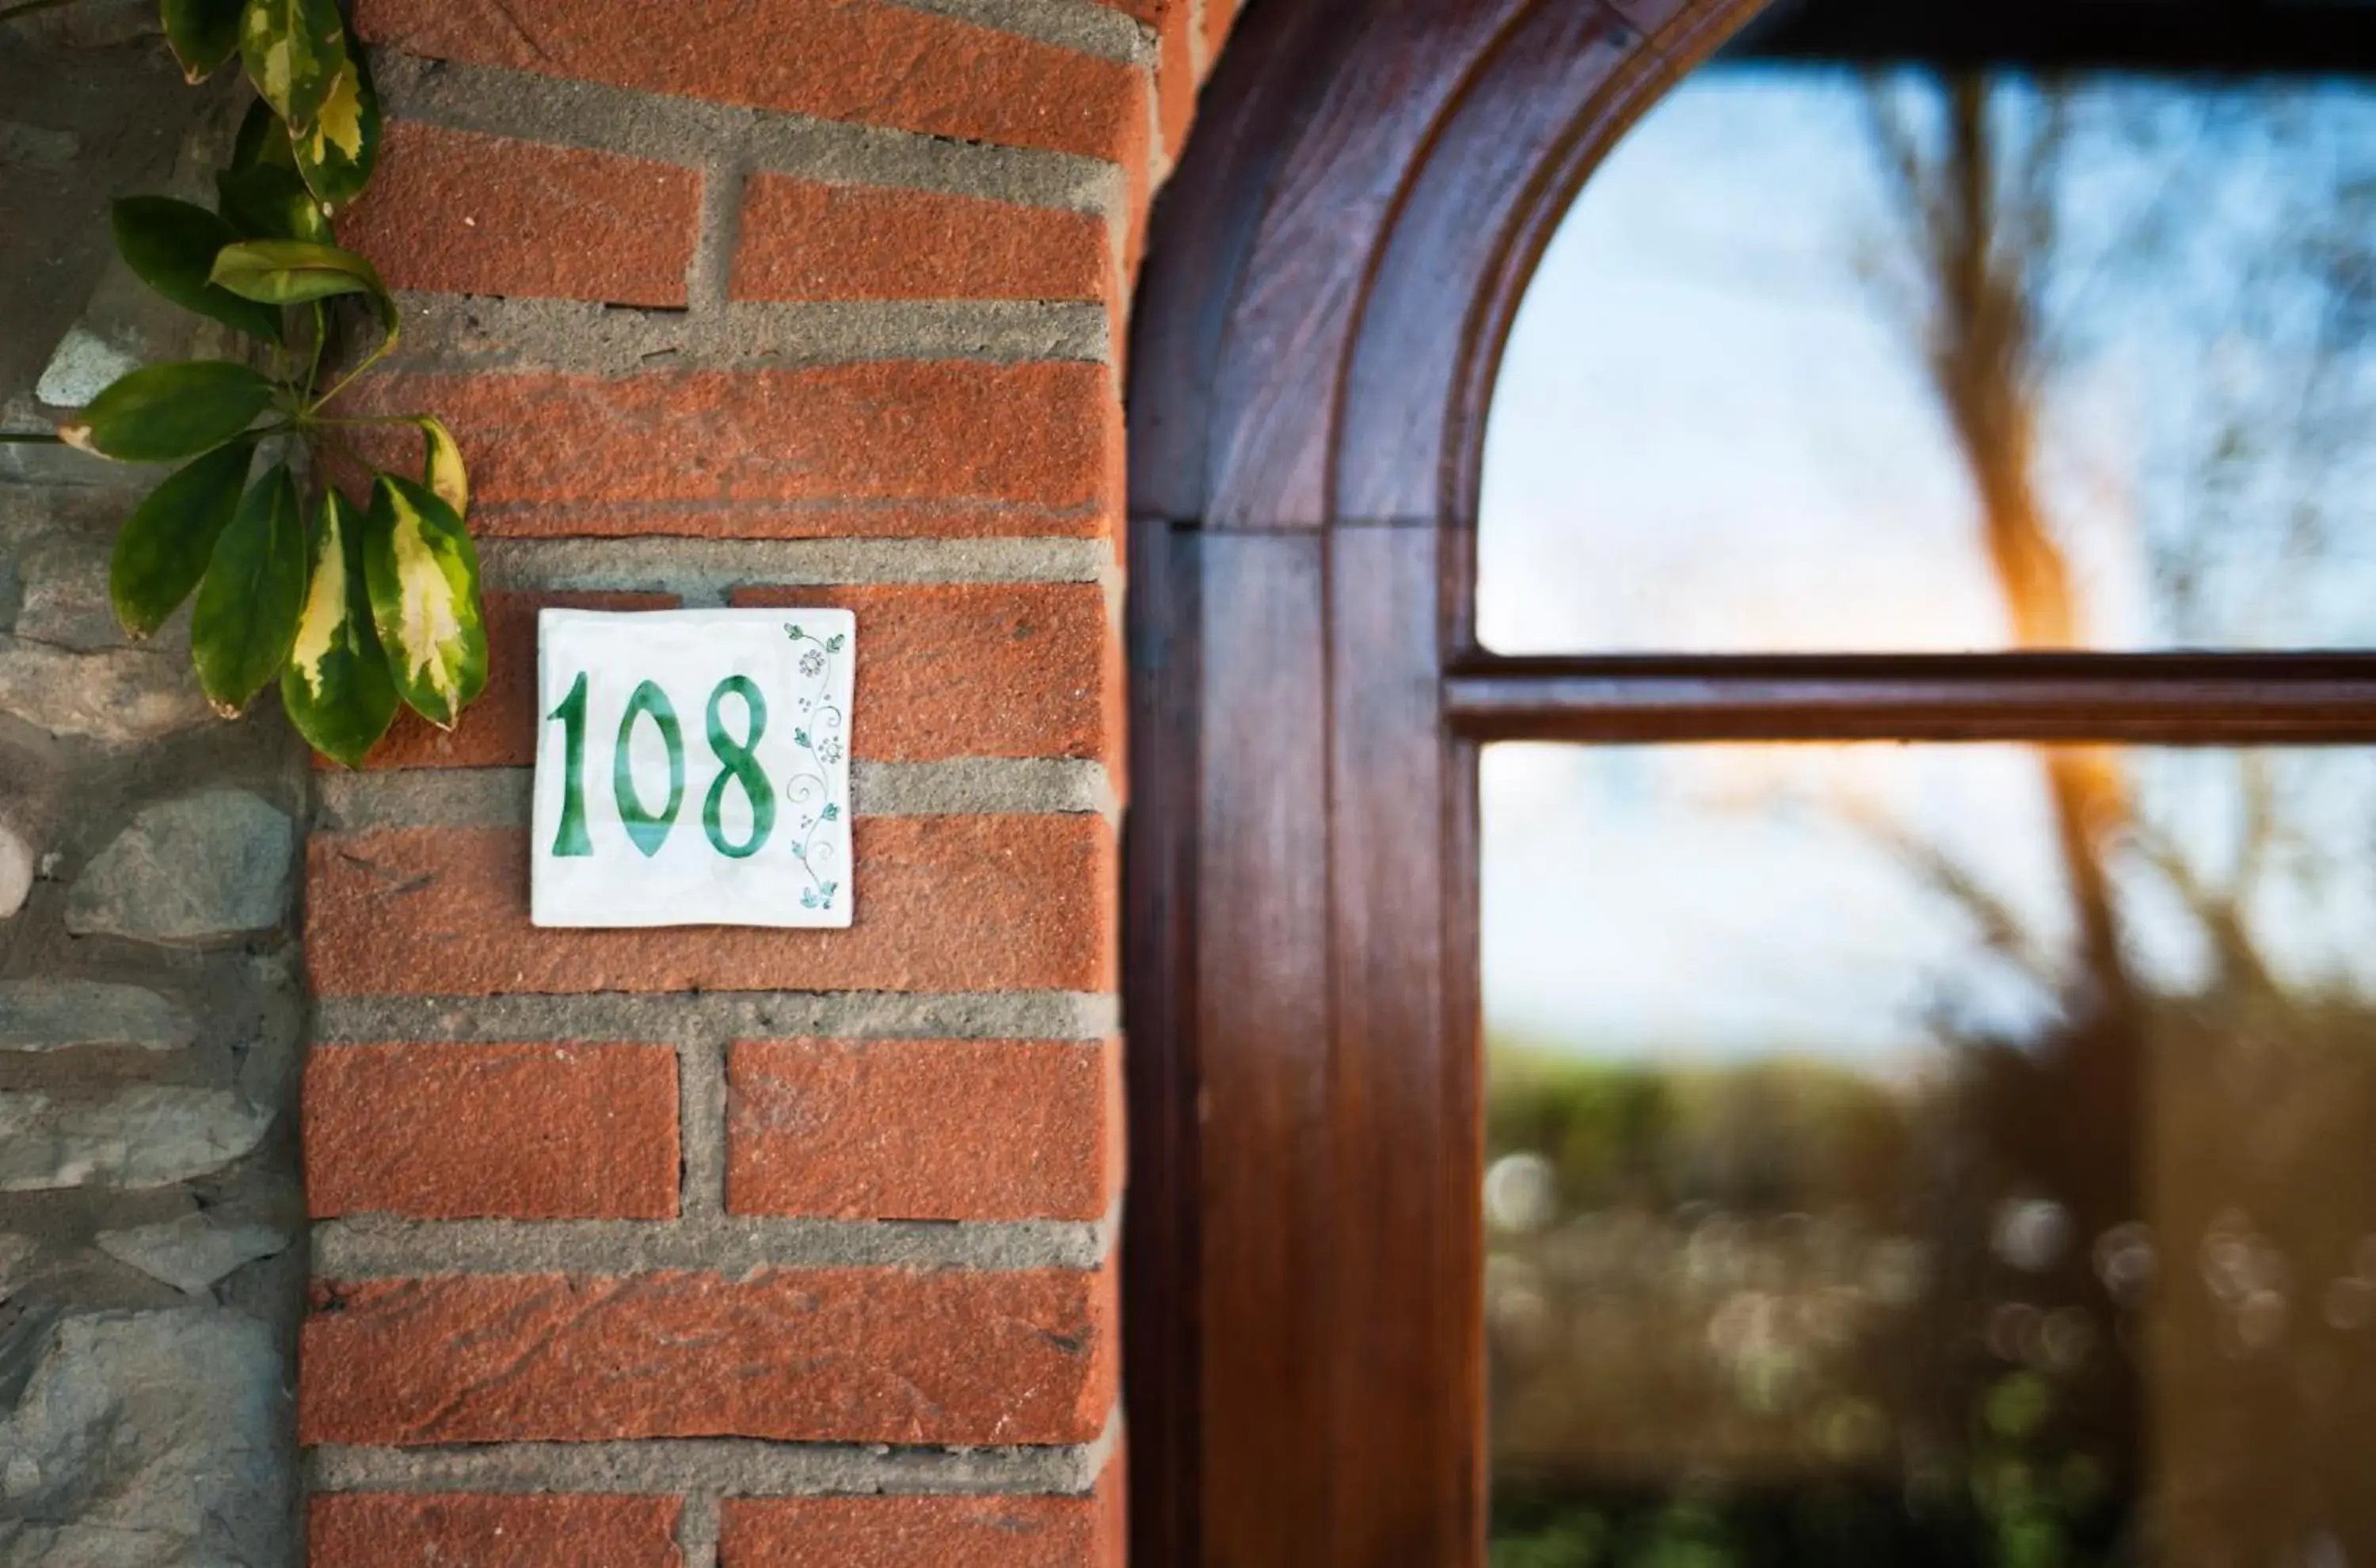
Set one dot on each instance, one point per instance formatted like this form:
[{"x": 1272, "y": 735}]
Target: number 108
[{"x": 647, "y": 829}]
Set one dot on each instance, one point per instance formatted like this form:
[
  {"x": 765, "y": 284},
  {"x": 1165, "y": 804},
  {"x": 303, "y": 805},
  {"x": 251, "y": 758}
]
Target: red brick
[
  {"x": 922, "y": 1129},
  {"x": 861, "y": 60},
  {"x": 499, "y": 729},
  {"x": 943, "y": 670},
  {"x": 471, "y": 214},
  {"x": 922, "y": 1532},
  {"x": 361, "y": 1529},
  {"x": 944, "y": 903},
  {"x": 882, "y": 449},
  {"x": 805, "y": 241},
  {"x": 1175, "y": 78},
  {"x": 1138, "y": 184},
  {"x": 850, "y": 1355},
  {"x": 521, "y": 1131},
  {"x": 977, "y": 669}
]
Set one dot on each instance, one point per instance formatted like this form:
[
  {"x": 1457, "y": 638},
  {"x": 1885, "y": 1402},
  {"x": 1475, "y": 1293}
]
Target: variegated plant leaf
[
  {"x": 288, "y": 272},
  {"x": 336, "y": 153},
  {"x": 423, "y": 574},
  {"x": 263, "y": 139},
  {"x": 294, "y": 50},
  {"x": 246, "y": 619},
  {"x": 442, "y": 468},
  {"x": 337, "y": 687},
  {"x": 268, "y": 201}
]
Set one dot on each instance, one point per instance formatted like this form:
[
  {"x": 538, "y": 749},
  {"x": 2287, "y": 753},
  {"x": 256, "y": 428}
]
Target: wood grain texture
[
  {"x": 1406, "y": 1272},
  {"x": 1330, "y": 282},
  {"x": 2202, "y": 699},
  {"x": 1271, "y": 1348},
  {"x": 2240, "y": 37},
  {"x": 1332, "y": 199},
  {"x": 1202, "y": 227}
]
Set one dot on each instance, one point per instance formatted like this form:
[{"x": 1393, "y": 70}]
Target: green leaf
[
  {"x": 335, "y": 687},
  {"x": 162, "y": 549},
  {"x": 294, "y": 272},
  {"x": 293, "y": 50},
  {"x": 262, "y": 140},
  {"x": 203, "y": 34},
  {"x": 166, "y": 412},
  {"x": 171, "y": 245},
  {"x": 424, "y": 574},
  {"x": 246, "y": 620},
  {"x": 291, "y": 272},
  {"x": 441, "y": 469},
  {"x": 336, "y": 154},
  {"x": 268, "y": 201}
]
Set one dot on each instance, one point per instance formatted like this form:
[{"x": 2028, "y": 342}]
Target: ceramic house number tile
[{"x": 692, "y": 767}]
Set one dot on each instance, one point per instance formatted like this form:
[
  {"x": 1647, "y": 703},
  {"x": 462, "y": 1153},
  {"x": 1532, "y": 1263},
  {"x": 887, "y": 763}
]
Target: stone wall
[{"x": 152, "y": 1265}]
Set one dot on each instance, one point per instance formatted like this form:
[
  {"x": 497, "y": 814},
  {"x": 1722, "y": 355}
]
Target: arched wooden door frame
[{"x": 1330, "y": 277}]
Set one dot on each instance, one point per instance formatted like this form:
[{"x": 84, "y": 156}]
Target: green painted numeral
[
  {"x": 737, "y": 763},
  {"x": 572, "y": 839},
  {"x": 648, "y": 830}
]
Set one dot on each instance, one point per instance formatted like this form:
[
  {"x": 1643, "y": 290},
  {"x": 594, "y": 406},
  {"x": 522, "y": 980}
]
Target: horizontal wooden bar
[
  {"x": 2196, "y": 699},
  {"x": 2224, "y": 36}
]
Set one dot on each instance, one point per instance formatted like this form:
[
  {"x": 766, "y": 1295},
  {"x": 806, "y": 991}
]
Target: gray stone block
[
  {"x": 142, "y": 1136},
  {"x": 116, "y": 697},
  {"x": 16, "y": 1260},
  {"x": 53, "y": 1015},
  {"x": 207, "y": 868},
  {"x": 192, "y": 1252},
  {"x": 95, "y": 25},
  {"x": 148, "y": 1439},
  {"x": 81, "y": 367}
]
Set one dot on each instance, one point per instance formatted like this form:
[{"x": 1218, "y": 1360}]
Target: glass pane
[
  {"x": 1931, "y": 1156},
  {"x": 1828, "y": 361}
]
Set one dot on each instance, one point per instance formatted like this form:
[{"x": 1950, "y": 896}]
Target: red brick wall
[{"x": 748, "y": 1247}]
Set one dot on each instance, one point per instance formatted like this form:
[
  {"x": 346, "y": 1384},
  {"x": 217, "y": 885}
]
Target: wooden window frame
[{"x": 1330, "y": 279}]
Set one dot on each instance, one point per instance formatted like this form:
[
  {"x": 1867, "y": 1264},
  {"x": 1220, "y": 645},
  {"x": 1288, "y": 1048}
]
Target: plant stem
[
  {"x": 30, "y": 438},
  {"x": 321, "y": 336},
  {"x": 370, "y": 360}
]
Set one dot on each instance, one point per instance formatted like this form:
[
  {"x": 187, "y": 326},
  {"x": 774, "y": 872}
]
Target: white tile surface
[{"x": 714, "y": 859}]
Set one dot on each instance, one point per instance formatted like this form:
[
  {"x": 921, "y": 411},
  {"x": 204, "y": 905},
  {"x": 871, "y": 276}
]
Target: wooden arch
[{"x": 1330, "y": 277}]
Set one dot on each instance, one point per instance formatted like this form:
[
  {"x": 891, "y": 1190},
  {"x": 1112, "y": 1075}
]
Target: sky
[{"x": 1713, "y": 431}]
